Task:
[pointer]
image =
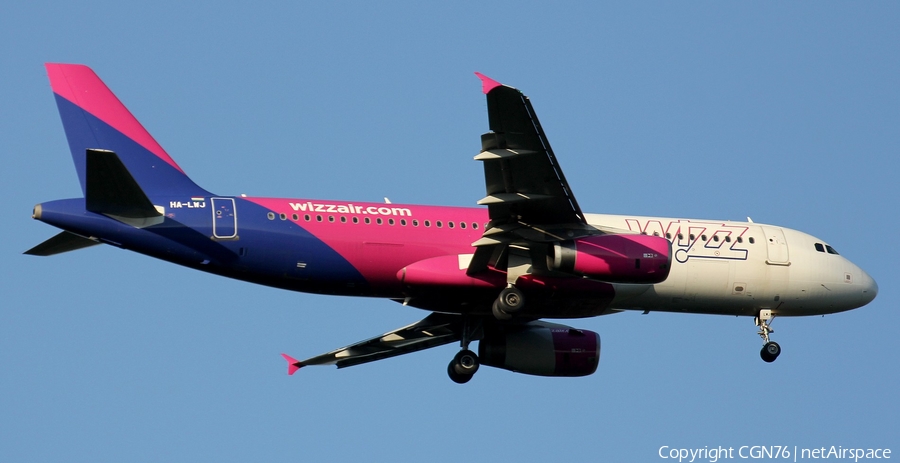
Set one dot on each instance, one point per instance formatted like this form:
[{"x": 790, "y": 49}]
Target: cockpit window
[
  {"x": 830, "y": 250},
  {"x": 820, "y": 247}
]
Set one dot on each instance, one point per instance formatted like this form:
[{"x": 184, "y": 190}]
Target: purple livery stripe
[
  {"x": 81, "y": 86},
  {"x": 379, "y": 251}
]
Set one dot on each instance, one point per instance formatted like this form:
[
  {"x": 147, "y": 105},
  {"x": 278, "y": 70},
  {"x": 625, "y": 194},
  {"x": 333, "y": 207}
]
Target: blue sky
[{"x": 785, "y": 112}]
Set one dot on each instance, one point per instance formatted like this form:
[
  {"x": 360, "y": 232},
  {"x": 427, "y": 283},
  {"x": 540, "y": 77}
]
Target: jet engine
[
  {"x": 542, "y": 349},
  {"x": 614, "y": 258}
]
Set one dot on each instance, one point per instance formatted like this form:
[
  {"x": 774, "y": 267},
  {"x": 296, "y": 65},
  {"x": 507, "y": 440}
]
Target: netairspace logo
[{"x": 771, "y": 452}]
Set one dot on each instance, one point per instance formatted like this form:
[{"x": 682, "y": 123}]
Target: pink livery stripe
[{"x": 81, "y": 86}]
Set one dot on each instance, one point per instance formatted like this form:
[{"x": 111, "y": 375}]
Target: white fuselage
[{"x": 740, "y": 268}]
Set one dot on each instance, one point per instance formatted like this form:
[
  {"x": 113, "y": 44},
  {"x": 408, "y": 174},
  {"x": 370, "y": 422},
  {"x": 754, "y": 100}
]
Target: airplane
[{"x": 490, "y": 274}]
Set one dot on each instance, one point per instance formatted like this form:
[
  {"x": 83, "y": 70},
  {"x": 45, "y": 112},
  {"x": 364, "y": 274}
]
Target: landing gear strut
[
  {"x": 510, "y": 301},
  {"x": 770, "y": 350},
  {"x": 465, "y": 363}
]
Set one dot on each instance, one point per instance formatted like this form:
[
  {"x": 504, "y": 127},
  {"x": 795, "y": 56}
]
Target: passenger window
[
  {"x": 271, "y": 215},
  {"x": 820, "y": 247},
  {"x": 830, "y": 250},
  {"x": 282, "y": 216},
  {"x": 306, "y": 217},
  {"x": 728, "y": 239},
  {"x": 681, "y": 236},
  {"x": 356, "y": 220},
  {"x": 415, "y": 223},
  {"x": 462, "y": 225},
  {"x": 403, "y": 222},
  {"x": 751, "y": 240},
  {"x": 450, "y": 224},
  {"x": 703, "y": 237},
  {"x": 668, "y": 236},
  {"x": 427, "y": 223},
  {"x": 295, "y": 217},
  {"x": 740, "y": 239},
  {"x": 331, "y": 218},
  {"x": 716, "y": 238},
  {"x": 343, "y": 219},
  {"x": 691, "y": 236},
  {"x": 368, "y": 220},
  {"x": 439, "y": 224},
  {"x": 474, "y": 226},
  {"x": 318, "y": 218},
  {"x": 379, "y": 221},
  {"x": 390, "y": 221},
  {"x": 655, "y": 233}
]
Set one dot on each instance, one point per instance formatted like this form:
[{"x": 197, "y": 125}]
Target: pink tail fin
[
  {"x": 293, "y": 364},
  {"x": 94, "y": 118}
]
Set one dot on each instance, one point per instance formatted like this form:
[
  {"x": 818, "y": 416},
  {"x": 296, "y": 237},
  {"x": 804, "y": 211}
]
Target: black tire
[
  {"x": 770, "y": 351},
  {"x": 465, "y": 363},
  {"x": 456, "y": 377},
  {"x": 511, "y": 300},
  {"x": 499, "y": 314}
]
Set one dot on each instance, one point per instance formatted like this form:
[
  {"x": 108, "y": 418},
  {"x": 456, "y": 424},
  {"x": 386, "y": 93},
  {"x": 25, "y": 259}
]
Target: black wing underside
[
  {"x": 434, "y": 330},
  {"x": 523, "y": 179},
  {"x": 529, "y": 200}
]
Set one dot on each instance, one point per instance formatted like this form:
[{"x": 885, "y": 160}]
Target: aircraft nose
[{"x": 869, "y": 287}]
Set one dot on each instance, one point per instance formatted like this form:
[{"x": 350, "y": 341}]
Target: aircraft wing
[
  {"x": 523, "y": 179},
  {"x": 528, "y": 198},
  {"x": 434, "y": 330}
]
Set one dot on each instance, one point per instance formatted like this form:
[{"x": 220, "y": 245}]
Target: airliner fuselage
[{"x": 487, "y": 274}]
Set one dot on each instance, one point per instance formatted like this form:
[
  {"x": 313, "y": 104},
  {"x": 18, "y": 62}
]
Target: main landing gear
[
  {"x": 770, "y": 350},
  {"x": 463, "y": 366},
  {"x": 465, "y": 362},
  {"x": 510, "y": 301}
]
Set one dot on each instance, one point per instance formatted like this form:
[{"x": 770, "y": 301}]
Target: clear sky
[{"x": 785, "y": 112}]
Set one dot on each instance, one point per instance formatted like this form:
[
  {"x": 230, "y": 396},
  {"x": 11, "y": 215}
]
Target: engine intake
[
  {"x": 617, "y": 258},
  {"x": 542, "y": 349}
]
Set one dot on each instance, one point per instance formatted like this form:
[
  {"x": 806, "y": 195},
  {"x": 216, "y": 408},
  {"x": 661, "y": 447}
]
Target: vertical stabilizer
[{"x": 94, "y": 118}]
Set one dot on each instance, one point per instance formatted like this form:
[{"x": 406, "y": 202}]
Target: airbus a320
[{"x": 490, "y": 274}]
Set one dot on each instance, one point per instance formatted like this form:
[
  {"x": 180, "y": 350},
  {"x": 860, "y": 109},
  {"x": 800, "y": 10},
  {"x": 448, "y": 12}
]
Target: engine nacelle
[
  {"x": 614, "y": 258},
  {"x": 542, "y": 349}
]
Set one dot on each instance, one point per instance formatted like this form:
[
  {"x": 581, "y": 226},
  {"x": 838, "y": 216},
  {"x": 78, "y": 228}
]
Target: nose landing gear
[{"x": 770, "y": 350}]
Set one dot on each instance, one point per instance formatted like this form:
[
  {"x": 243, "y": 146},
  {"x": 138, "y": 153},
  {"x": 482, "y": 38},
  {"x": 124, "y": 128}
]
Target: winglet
[
  {"x": 293, "y": 364},
  {"x": 487, "y": 84}
]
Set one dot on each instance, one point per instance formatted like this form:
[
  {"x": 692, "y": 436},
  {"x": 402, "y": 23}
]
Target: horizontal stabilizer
[
  {"x": 63, "y": 242},
  {"x": 293, "y": 364},
  {"x": 111, "y": 189}
]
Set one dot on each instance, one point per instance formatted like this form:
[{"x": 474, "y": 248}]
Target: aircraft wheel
[
  {"x": 465, "y": 362},
  {"x": 511, "y": 300},
  {"x": 456, "y": 377},
  {"x": 770, "y": 351},
  {"x": 499, "y": 314},
  {"x": 463, "y": 366}
]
